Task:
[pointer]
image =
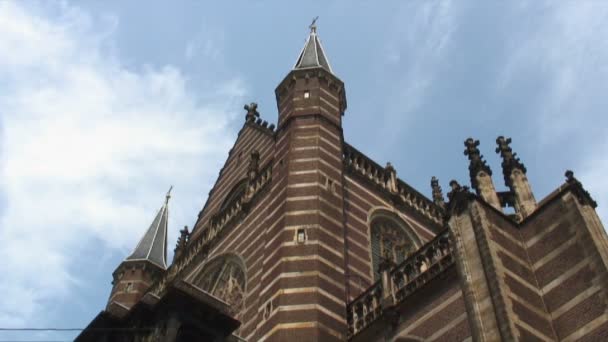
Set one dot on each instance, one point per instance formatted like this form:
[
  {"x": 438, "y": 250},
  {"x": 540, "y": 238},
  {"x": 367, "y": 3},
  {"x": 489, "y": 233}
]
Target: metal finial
[
  {"x": 168, "y": 195},
  {"x": 313, "y": 25}
]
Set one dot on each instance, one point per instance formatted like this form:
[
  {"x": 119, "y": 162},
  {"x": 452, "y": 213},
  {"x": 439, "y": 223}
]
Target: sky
[{"x": 105, "y": 104}]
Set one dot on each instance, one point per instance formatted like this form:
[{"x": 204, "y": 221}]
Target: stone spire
[
  {"x": 481, "y": 174},
  {"x": 153, "y": 245},
  {"x": 437, "y": 193},
  {"x": 138, "y": 271},
  {"x": 514, "y": 173},
  {"x": 312, "y": 55}
]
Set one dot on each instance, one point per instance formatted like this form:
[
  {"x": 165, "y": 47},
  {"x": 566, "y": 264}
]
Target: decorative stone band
[
  {"x": 357, "y": 163},
  {"x": 418, "y": 269},
  {"x": 200, "y": 246}
]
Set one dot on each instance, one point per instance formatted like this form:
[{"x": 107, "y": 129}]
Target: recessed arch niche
[{"x": 225, "y": 277}]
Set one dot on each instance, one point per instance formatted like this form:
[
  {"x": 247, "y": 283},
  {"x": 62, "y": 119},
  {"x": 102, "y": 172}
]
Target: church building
[{"x": 305, "y": 238}]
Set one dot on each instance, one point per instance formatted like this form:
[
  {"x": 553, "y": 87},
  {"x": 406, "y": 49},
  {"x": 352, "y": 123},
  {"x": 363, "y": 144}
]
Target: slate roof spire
[
  {"x": 153, "y": 245},
  {"x": 313, "y": 55}
]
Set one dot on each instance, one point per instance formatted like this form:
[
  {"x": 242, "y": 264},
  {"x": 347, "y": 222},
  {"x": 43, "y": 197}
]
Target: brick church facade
[{"x": 305, "y": 238}]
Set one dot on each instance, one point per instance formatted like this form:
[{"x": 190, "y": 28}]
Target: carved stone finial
[
  {"x": 182, "y": 240},
  {"x": 389, "y": 167},
  {"x": 437, "y": 192},
  {"x": 570, "y": 176},
  {"x": 583, "y": 196},
  {"x": 252, "y": 111},
  {"x": 509, "y": 159},
  {"x": 458, "y": 198},
  {"x": 477, "y": 164},
  {"x": 254, "y": 165}
]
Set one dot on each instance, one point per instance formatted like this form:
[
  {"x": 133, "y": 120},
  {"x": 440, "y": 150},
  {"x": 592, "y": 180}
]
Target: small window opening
[
  {"x": 268, "y": 309},
  {"x": 301, "y": 235},
  {"x": 306, "y": 94},
  {"x": 129, "y": 287}
]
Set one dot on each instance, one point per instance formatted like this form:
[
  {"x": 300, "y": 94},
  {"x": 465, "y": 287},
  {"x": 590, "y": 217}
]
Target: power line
[{"x": 77, "y": 329}]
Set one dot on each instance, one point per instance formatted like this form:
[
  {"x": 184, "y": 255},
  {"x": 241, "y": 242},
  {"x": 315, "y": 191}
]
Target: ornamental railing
[
  {"x": 399, "y": 283},
  {"x": 386, "y": 179}
]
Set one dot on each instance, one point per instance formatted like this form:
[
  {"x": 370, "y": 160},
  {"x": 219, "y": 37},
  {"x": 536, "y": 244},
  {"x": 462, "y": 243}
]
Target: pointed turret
[
  {"x": 311, "y": 88},
  {"x": 139, "y": 270},
  {"x": 153, "y": 245},
  {"x": 313, "y": 55}
]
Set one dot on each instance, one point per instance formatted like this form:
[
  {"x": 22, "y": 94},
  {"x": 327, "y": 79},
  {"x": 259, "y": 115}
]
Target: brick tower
[
  {"x": 138, "y": 271},
  {"x": 304, "y": 257}
]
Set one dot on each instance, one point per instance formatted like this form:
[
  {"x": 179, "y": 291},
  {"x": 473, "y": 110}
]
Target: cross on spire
[
  {"x": 313, "y": 25},
  {"x": 312, "y": 55}
]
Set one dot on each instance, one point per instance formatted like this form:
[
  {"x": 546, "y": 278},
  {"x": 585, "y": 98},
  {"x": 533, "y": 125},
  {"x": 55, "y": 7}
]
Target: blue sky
[{"x": 104, "y": 104}]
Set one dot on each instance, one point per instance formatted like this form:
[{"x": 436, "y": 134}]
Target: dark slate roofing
[
  {"x": 153, "y": 245},
  {"x": 313, "y": 55}
]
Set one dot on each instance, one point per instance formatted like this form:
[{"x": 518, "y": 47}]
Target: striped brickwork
[
  {"x": 252, "y": 137},
  {"x": 568, "y": 251},
  {"x": 437, "y": 313},
  {"x": 544, "y": 279},
  {"x": 363, "y": 199}
]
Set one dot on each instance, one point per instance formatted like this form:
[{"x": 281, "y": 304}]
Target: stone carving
[
  {"x": 252, "y": 111},
  {"x": 477, "y": 164},
  {"x": 437, "y": 192},
  {"x": 581, "y": 194}
]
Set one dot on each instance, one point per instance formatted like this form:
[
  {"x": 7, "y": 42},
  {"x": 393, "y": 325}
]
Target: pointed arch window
[
  {"x": 391, "y": 237},
  {"x": 225, "y": 278}
]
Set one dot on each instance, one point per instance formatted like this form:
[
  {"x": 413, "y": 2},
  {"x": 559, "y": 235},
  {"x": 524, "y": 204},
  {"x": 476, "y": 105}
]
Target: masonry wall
[
  {"x": 251, "y": 138},
  {"x": 436, "y": 313},
  {"x": 565, "y": 246},
  {"x": 245, "y": 239},
  {"x": 362, "y": 199}
]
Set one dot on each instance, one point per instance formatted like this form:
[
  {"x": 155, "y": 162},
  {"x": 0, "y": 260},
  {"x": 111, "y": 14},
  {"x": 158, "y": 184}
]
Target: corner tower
[
  {"x": 311, "y": 88},
  {"x": 138, "y": 271},
  {"x": 303, "y": 278}
]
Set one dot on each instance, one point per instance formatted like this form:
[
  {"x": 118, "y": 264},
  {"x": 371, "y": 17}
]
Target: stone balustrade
[
  {"x": 385, "y": 178},
  {"x": 404, "y": 279}
]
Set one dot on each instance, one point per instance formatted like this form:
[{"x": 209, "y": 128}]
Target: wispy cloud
[
  {"x": 88, "y": 147},
  {"x": 566, "y": 51}
]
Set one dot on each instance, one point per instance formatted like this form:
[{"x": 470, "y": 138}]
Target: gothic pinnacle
[
  {"x": 477, "y": 163},
  {"x": 437, "y": 192},
  {"x": 509, "y": 159}
]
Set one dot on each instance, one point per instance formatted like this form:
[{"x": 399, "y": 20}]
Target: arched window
[
  {"x": 237, "y": 191},
  {"x": 392, "y": 237},
  {"x": 225, "y": 278}
]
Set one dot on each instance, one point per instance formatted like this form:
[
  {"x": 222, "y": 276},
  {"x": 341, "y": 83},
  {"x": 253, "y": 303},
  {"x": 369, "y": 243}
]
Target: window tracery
[
  {"x": 391, "y": 238},
  {"x": 224, "y": 278}
]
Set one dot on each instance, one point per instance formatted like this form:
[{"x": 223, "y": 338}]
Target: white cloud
[
  {"x": 566, "y": 49},
  {"x": 88, "y": 147}
]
